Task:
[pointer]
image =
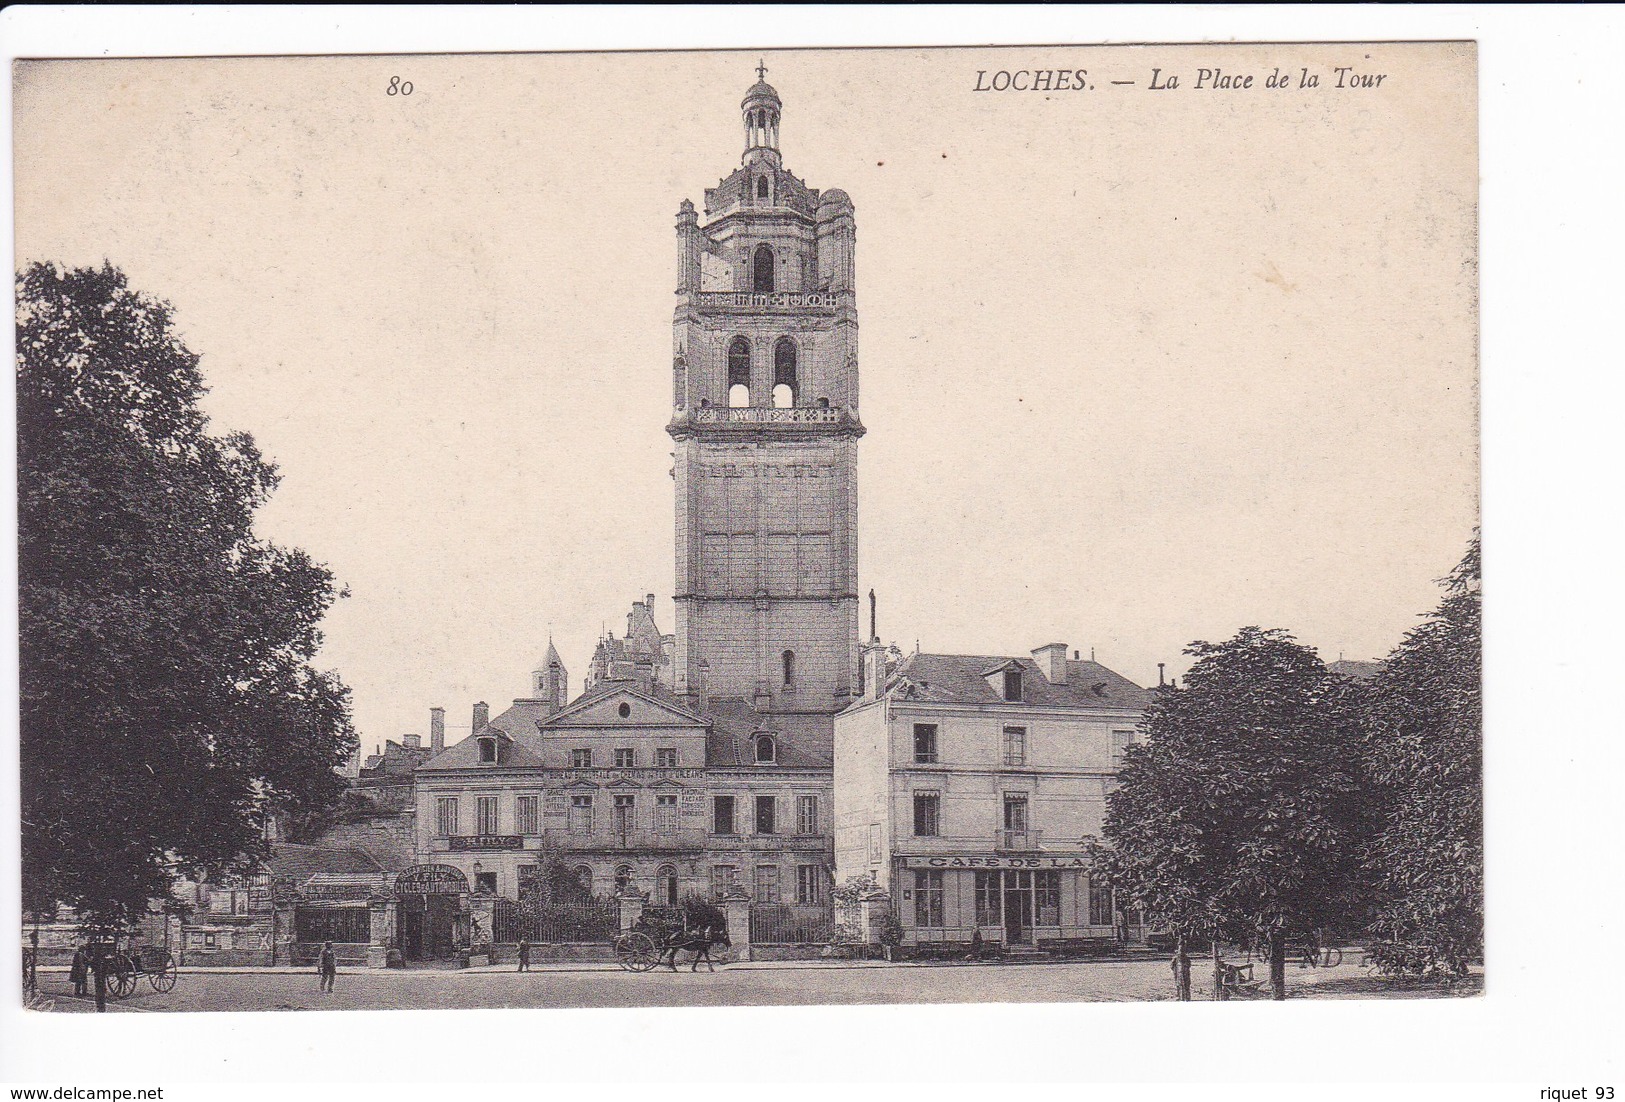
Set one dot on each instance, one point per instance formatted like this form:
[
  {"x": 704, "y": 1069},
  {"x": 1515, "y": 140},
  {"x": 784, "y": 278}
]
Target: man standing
[
  {"x": 79, "y": 971},
  {"x": 327, "y": 965},
  {"x": 524, "y": 956}
]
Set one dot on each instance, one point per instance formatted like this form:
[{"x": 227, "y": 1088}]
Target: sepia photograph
[{"x": 456, "y": 568}]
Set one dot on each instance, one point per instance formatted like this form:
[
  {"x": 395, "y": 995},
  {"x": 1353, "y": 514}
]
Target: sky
[{"x": 1138, "y": 366}]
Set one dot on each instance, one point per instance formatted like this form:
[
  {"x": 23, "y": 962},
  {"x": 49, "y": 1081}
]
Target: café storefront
[
  {"x": 1043, "y": 901},
  {"x": 421, "y": 914}
]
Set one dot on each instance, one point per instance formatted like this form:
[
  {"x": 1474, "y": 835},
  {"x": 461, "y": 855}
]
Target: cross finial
[{"x": 761, "y": 69}]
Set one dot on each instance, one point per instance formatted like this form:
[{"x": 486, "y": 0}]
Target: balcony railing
[
  {"x": 744, "y": 302},
  {"x": 766, "y": 415},
  {"x": 1009, "y": 839}
]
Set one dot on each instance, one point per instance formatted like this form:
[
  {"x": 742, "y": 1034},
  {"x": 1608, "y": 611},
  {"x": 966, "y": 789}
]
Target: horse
[{"x": 698, "y": 942}]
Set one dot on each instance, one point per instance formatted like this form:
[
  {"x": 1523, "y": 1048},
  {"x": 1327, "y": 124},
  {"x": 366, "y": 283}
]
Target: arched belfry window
[
  {"x": 789, "y": 658},
  {"x": 761, "y": 266},
  {"x": 784, "y": 373},
  {"x": 761, "y": 187},
  {"x": 739, "y": 373}
]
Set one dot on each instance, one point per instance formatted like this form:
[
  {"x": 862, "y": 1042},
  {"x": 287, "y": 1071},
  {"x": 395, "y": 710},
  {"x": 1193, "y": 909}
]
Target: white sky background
[{"x": 1138, "y": 368}]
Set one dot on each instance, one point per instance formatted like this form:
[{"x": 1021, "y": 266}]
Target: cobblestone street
[{"x": 762, "y": 984}]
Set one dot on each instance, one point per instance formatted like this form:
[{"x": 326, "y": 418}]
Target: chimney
[
  {"x": 482, "y": 716},
  {"x": 412, "y": 742},
  {"x": 649, "y": 603},
  {"x": 874, "y": 671},
  {"x": 874, "y": 636},
  {"x": 437, "y": 729},
  {"x": 1160, "y": 681},
  {"x": 1051, "y": 659}
]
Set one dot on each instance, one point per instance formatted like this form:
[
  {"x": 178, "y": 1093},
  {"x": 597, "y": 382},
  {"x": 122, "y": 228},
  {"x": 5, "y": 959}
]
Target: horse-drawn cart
[
  {"x": 155, "y": 962},
  {"x": 636, "y": 951}
]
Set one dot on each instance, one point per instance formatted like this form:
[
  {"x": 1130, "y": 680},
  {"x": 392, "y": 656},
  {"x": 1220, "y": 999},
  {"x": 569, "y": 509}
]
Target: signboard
[
  {"x": 965, "y": 861},
  {"x": 431, "y": 880},
  {"x": 487, "y": 841}
]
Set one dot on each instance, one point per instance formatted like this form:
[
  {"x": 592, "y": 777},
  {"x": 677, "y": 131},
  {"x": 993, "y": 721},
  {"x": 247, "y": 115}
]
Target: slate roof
[
  {"x": 297, "y": 863},
  {"x": 801, "y": 740},
  {"x": 524, "y": 750},
  {"x": 961, "y": 679},
  {"x": 1355, "y": 669}
]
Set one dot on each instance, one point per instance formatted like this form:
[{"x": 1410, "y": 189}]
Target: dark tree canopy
[
  {"x": 165, "y": 649},
  {"x": 1241, "y": 811},
  {"x": 1423, "y": 717}
]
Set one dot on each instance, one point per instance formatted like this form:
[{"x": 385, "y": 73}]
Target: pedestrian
[
  {"x": 524, "y": 956},
  {"x": 1122, "y": 928},
  {"x": 79, "y": 971},
  {"x": 976, "y": 945},
  {"x": 327, "y": 965}
]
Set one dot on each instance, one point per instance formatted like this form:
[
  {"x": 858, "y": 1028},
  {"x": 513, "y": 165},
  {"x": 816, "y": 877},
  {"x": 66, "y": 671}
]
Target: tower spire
[{"x": 761, "y": 108}]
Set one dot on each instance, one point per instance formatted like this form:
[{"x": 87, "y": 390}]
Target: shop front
[
  {"x": 1039, "y": 902},
  {"x": 431, "y": 918}
]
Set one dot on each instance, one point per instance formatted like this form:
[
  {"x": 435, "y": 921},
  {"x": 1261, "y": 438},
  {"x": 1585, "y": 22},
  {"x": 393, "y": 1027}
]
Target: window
[
  {"x": 766, "y": 752},
  {"x": 1012, "y": 685},
  {"x": 739, "y": 373},
  {"x": 488, "y": 749},
  {"x": 1015, "y": 819},
  {"x": 623, "y": 878},
  {"x": 666, "y": 885},
  {"x": 583, "y": 875},
  {"x": 666, "y": 758},
  {"x": 989, "y": 899},
  {"x": 928, "y": 898},
  {"x": 524, "y": 815},
  {"x": 788, "y": 659},
  {"x": 724, "y": 880},
  {"x": 581, "y": 814},
  {"x": 623, "y": 759},
  {"x": 1120, "y": 744},
  {"x": 761, "y": 187},
  {"x": 1100, "y": 903},
  {"x": 810, "y": 883},
  {"x": 336, "y": 924},
  {"x": 624, "y": 815},
  {"x": 581, "y": 759},
  {"x": 927, "y": 809},
  {"x": 485, "y": 882},
  {"x": 762, "y": 269},
  {"x": 925, "y": 744},
  {"x": 1047, "y": 898},
  {"x": 666, "y": 814},
  {"x": 767, "y": 884},
  {"x": 446, "y": 816},
  {"x": 722, "y": 814},
  {"x": 485, "y": 815},
  {"x": 806, "y": 814},
  {"x": 624, "y": 710},
  {"x": 765, "y": 807},
  {"x": 1015, "y": 746},
  {"x": 784, "y": 373}
]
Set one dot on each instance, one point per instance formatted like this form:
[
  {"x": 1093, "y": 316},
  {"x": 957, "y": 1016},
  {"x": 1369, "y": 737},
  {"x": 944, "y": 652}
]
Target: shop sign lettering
[{"x": 1047, "y": 861}]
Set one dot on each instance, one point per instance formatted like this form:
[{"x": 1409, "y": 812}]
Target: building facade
[{"x": 972, "y": 787}]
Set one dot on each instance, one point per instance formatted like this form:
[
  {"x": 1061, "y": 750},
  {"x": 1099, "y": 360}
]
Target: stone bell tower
[{"x": 765, "y": 420}]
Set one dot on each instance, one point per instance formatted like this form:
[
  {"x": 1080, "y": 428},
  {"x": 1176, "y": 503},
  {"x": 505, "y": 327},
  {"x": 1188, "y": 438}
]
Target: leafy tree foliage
[
  {"x": 1241, "y": 812},
  {"x": 166, "y": 686},
  {"x": 1423, "y": 716}
]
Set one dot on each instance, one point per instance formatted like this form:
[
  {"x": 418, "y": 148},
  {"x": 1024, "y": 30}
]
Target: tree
[
  {"x": 1423, "y": 717},
  {"x": 167, "y": 693},
  {"x": 1239, "y": 813}
]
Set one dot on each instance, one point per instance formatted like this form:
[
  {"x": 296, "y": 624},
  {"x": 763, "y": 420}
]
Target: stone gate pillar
[
  {"x": 380, "y": 913},
  {"x": 481, "y": 927},
  {"x": 631, "y": 902},
  {"x": 736, "y": 905}
]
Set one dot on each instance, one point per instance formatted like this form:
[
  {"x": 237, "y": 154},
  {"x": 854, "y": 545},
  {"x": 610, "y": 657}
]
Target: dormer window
[
  {"x": 1012, "y": 685},
  {"x": 766, "y": 751},
  {"x": 488, "y": 748}
]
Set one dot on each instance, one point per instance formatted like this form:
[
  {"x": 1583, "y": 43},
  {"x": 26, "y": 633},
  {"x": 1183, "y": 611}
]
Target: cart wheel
[
  {"x": 163, "y": 978},
  {"x": 644, "y": 953},
  {"x": 122, "y": 980}
]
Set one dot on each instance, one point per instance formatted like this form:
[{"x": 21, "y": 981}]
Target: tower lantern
[{"x": 761, "y": 108}]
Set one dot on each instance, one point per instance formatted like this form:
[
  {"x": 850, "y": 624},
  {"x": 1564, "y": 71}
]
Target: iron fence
[
  {"x": 593, "y": 920},
  {"x": 791, "y": 923}
]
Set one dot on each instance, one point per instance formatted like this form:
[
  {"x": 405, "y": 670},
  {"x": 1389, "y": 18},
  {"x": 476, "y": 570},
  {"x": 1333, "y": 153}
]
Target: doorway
[
  {"x": 428, "y": 927},
  {"x": 1018, "y": 907}
]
